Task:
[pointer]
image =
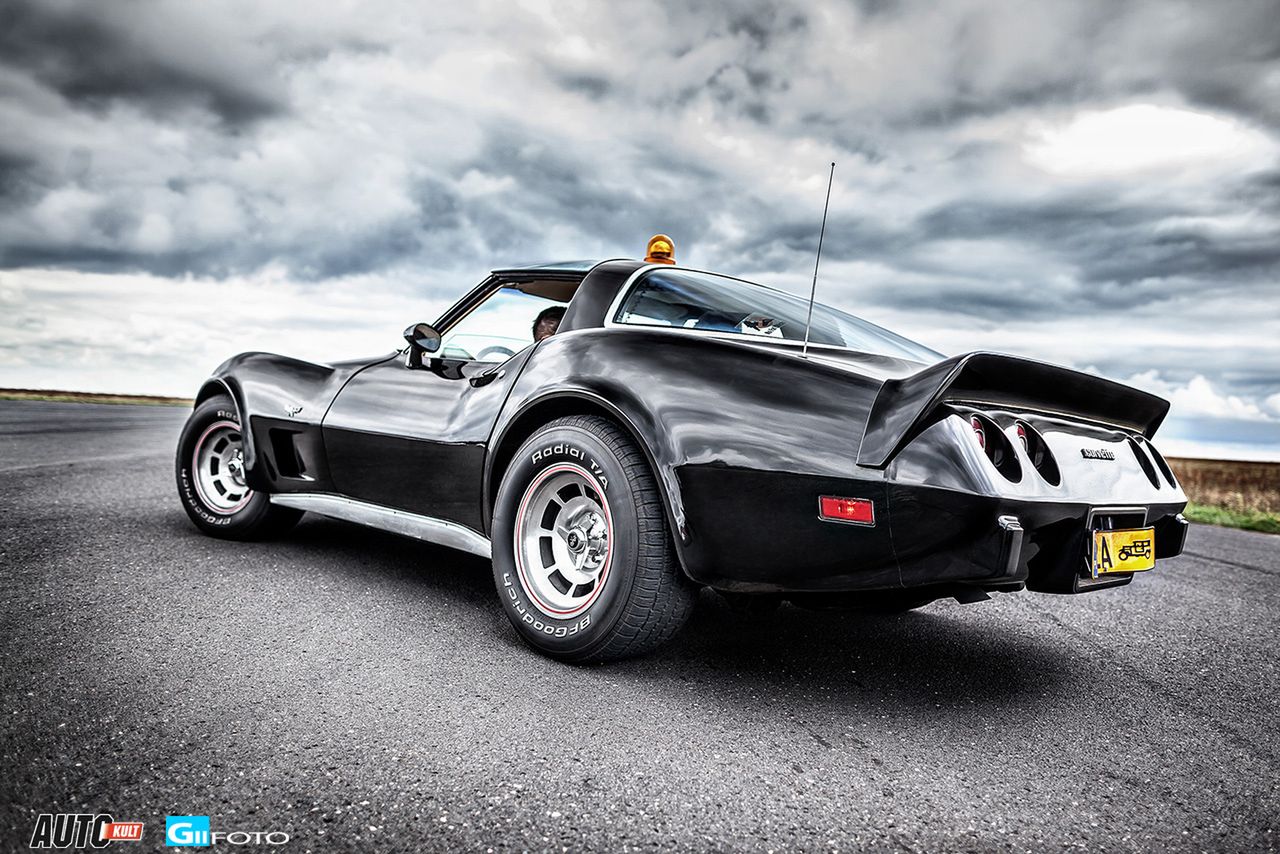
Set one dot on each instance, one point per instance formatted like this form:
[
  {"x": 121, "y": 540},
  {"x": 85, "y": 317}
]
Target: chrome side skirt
[{"x": 387, "y": 519}]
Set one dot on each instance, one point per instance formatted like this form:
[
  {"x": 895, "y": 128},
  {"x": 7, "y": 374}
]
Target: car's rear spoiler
[{"x": 904, "y": 406}]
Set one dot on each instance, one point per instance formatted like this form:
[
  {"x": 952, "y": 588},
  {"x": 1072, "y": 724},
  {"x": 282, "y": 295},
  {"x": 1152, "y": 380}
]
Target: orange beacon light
[{"x": 661, "y": 250}]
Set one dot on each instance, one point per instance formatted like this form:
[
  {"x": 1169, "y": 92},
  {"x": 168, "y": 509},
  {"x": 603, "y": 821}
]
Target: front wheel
[
  {"x": 583, "y": 559},
  {"x": 211, "y": 478}
]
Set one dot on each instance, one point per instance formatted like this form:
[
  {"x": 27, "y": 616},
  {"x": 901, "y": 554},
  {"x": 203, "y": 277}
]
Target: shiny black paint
[
  {"x": 743, "y": 435},
  {"x": 415, "y": 438},
  {"x": 287, "y": 395},
  {"x": 743, "y": 438},
  {"x": 596, "y": 294}
]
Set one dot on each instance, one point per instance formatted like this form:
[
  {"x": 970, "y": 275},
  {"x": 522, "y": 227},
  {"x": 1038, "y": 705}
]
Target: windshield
[
  {"x": 498, "y": 328},
  {"x": 691, "y": 300}
]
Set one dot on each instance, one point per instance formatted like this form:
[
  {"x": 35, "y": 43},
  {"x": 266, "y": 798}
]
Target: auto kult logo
[
  {"x": 82, "y": 830},
  {"x": 194, "y": 831}
]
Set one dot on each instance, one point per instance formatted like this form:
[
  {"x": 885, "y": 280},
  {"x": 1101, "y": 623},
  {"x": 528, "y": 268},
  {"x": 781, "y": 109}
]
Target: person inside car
[{"x": 547, "y": 322}]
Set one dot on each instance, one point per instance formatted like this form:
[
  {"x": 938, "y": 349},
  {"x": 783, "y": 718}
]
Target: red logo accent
[{"x": 122, "y": 831}]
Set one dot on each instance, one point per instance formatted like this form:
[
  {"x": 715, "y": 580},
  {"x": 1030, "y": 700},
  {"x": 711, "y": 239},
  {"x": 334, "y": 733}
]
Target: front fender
[{"x": 273, "y": 391}]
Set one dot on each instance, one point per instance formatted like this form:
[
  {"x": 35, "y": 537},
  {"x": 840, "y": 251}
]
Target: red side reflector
[{"x": 858, "y": 510}]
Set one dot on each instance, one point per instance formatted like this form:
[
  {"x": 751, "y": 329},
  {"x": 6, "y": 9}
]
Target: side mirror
[{"x": 423, "y": 336}]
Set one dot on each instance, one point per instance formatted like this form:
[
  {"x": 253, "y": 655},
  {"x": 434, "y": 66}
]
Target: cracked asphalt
[{"x": 364, "y": 692}]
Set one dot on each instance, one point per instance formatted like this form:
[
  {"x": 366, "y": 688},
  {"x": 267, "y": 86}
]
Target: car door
[{"x": 413, "y": 437}]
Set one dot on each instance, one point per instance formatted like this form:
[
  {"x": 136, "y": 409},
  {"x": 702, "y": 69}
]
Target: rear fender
[
  {"x": 586, "y": 397},
  {"x": 742, "y": 442}
]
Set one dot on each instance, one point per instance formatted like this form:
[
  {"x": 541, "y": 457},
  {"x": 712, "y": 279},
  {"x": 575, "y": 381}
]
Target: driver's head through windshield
[
  {"x": 547, "y": 323},
  {"x": 501, "y": 325}
]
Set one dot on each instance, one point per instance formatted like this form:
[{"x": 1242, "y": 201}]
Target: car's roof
[{"x": 550, "y": 267}]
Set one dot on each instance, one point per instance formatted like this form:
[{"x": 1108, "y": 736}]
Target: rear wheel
[
  {"x": 211, "y": 478},
  {"x": 583, "y": 559}
]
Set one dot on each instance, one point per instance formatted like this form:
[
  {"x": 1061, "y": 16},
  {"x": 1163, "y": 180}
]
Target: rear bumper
[
  {"x": 1002, "y": 545},
  {"x": 762, "y": 534},
  {"x": 1062, "y": 566}
]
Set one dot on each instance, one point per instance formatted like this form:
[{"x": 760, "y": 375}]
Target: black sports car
[{"x": 615, "y": 435}]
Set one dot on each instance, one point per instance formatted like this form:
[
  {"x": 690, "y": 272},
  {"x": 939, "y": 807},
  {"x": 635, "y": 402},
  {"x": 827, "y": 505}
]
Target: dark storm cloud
[
  {"x": 1110, "y": 243},
  {"x": 18, "y": 182},
  {"x": 322, "y": 143},
  {"x": 96, "y": 54},
  {"x": 593, "y": 86},
  {"x": 1231, "y": 64},
  {"x": 765, "y": 63},
  {"x": 553, "y": 187},
  {"x": 785, "y": 242}
]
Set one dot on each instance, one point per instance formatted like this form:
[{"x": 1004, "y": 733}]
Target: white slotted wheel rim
[
  {"x": 563, "y": 540},
  {"x": 218, "y": 468}
]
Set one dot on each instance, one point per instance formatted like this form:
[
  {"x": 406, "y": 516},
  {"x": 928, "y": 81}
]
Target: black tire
[
  {"x": 640, "y": 596},
  {"x": 252, "y": 516}
]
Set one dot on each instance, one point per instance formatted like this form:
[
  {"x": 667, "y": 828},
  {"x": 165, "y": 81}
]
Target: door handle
[{"x": 487, "y": 377}]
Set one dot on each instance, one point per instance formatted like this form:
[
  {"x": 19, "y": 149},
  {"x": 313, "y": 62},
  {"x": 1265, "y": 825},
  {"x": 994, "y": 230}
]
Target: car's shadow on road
[{"x": 940, "y": 657}]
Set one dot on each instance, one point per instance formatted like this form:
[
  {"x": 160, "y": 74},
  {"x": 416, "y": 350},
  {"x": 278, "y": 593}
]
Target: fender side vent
[{"x": 285, "y": 450}]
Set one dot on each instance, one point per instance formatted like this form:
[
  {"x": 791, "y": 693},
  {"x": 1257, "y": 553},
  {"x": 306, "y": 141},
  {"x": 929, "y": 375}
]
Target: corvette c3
[{"x": 615, "y": 436}]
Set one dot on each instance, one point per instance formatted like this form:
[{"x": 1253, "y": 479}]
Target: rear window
[{"x": 708, "y": 302}]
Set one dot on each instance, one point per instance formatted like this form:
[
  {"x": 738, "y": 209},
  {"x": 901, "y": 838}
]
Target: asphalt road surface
[{"x": 365, "y": 692}]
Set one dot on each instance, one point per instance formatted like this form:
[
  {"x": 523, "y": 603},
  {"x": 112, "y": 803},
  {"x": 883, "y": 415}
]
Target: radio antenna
[{"x": 813, "y": 291}]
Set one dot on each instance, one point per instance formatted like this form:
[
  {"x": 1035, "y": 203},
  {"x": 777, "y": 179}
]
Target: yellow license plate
[{"x": 1123, "y": 551}]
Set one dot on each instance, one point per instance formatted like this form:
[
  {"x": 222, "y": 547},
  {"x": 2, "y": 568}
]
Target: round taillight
[
  {"x": 1038, "y": 452},
  {"x": 995, "y": 446}
]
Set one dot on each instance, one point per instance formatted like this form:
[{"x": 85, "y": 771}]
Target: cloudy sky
[{"x": 1094, "y": 184}]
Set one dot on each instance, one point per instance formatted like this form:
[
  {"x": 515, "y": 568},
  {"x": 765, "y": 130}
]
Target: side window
[{"x": 500, "y": 327}]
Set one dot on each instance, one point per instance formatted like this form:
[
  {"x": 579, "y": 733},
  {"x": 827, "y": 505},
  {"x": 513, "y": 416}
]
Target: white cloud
[
  {"x": 1140, "y": 137},
  {"x": 1198, "y": 397},
  {"x": 138, "y": 333}
]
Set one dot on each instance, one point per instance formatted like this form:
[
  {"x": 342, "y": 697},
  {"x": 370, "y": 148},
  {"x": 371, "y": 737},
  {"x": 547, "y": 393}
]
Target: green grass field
[{"x": 1267, "y": 523}]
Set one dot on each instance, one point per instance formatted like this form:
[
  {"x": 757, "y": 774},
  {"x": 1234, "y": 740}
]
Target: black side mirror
[{"x": 423, "y": 338}]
